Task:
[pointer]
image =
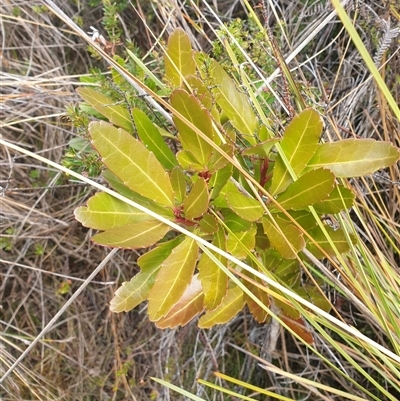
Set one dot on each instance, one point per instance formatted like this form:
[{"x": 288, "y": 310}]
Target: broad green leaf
[
  {"x": 339, "y": 199},
  {"x": 133, "y": 236},
  {"x": 217, "y": 161},
  {"x": 213, "y": 280},
  {"x": 134, "y": 292},
  {"x": 178, "y": 182},
  {"x": 230, "y": 306},
  {"x": 234, "y": 222},
  {"x": 292, "y": 237},
  {"x": 174, "y": 276},
  {"x": 304, "y": 218},
  {"x": 189, "y": 306},
  {"x": 244, "y": 206},
  {"x": 209, "y": 224},
  {"x": 287, "y": 309},
  {"x": 240, "y": 244},
  {"x": 120, "y": 187},
  {"x": 288, "y": 271},
  {"x": 258, "y": 313},
  {"x": 219, "y": 179},
  {"x": 152, "y": 139},
  {"x": 262, "y": 241},
  {"x": 355, "y": 157},
  {"x": 314, "y": 295},
  {"x": 116, "y": 113},
  {"x": 178, "y": 60},
  {"x": 262, "y": 149},
  {"x": 338, "y": 238},
  {"x": 233, "y": 103},
  {"x": 187, "y": 161},
  {"x": 192, "y": 110},
  {"x": 312, "y": 187},
  {"x": 299, "y": 143},
  {"x": 200, "y": 90},
  {"x": 130, "y": 160},
  {"x": 196, "y": 203},
  {"x": 104, "y": 212}
]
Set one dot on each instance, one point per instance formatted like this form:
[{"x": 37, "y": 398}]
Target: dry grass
[{"x": 91, "y": 354}]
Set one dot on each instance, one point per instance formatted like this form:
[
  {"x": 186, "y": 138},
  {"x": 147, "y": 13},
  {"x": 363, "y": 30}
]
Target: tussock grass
[{"x": 93, "y": 354}]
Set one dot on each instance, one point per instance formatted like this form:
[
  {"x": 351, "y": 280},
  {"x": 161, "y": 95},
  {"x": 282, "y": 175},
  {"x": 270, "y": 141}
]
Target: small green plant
[{"x": 263, "y": 198}]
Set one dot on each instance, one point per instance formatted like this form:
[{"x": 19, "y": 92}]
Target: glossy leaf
[
  {"x": 339, "y": 199},
  {"x": 355, "y": 157},
  {"x": 129, "y": 160},
  {"x": 179, "y": 60},
  {"x": 115, "y": 113},
  {"x": 174, "y": 276},
  {"x": 244, "y": 206},
  {"x": 133, "y": 236},
  {"x": 240, "y": 244},
  {"x": 134, "y": 292},
  {"x": 234, "y": 222},
  {"x": 230, "y": 306},
  {"x": 259, "y": 314},
  {"x": 299, "y": 143},
  {"x": 152, "y": 139},
  {"x": 338, "y": 238},
  {"x": 189, "y": 306},
  {"x": 219, "y": 179},
  {"x": 188, "y": 162},
  {"x": 262, "y": 149},
  {"x": 196, "y": 203},
  {"x": 120, "y": 187},
  {"x": 233, "y": 103},
  {"x": 104, "y": 212},
  {"x": 192, "y": 110},
  {"x": 312, "y": 187},
  {"x": 213, "y": 280},
  {"x": 217, "y": 161},
  {"x": 209, "y": 224},
  {"x": 178, "y": 182},
  {"x": 288, "y": 244}
]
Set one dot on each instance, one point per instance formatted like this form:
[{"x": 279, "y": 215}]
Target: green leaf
[
  {"x": 196, "y": 203},
  {"x": 304, "y": 218},
  {"x": 104, "y": 212},
  {"x": 230, "y": 306},
  {"x": 234, "y": 222},
  {"x": 116, "y": 113},
  {"x": 179, "y": 60},
  {"x": 133, "y": 236},
  {"x": 337, "y": 236},
  {"x": 217, "y": 161},
  {"x": 209, "y": 224},
  {"x": 262, "y": 149},
  {"x": 174, "y": 276},
  {"x": 178, "y": 182},
  {"x": 134, "y": 292},
  {"x": 187, "y": 161},
  {"x": 299, "y": 143},
  {"x": 189, "y": 306},
  {"x": 219, "y": 179},
  {"x": 244, "y": 206},
  {"x": 120, "y": 187},
  {"x": 312, "y": 187},
  {"x": 240, "y": 244},
  {"x": 233, "y": 103},
  {"x": 152, "y": 139},
  {"x": 339, "y": 199},
  {"x": 130, "y": 160},
  {"x": 355, "y": 157},
  {"x": 292, "y": 237},
  {"x": 192, "y": 110},
  {"x": 200, "y": 90},
  {"x": 213, "y": 280}
]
